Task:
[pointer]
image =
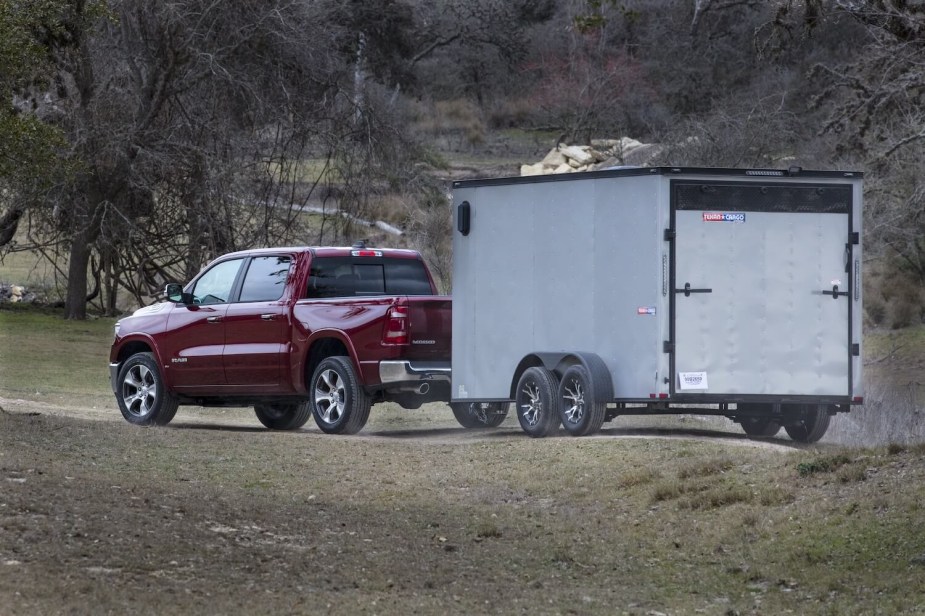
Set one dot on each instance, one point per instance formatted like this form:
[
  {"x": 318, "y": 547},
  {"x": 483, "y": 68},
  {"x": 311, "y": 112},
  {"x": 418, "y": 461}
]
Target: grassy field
[{"x": 214, "y": 514}]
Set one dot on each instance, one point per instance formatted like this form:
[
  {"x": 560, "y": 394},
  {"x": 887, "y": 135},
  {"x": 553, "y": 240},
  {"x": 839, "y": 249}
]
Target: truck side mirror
[{"x": 175, "y": 294}]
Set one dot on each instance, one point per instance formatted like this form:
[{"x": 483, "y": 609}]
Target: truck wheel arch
[
  {"x": 559, "y": 362},
  {"x": 324, "y": 344}
]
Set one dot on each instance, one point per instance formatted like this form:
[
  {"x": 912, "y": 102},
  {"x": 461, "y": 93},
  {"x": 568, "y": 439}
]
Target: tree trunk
[{"x": 75, "y": 305}]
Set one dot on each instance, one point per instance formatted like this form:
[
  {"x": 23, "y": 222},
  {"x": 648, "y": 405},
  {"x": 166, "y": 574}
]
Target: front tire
[
  {"x": 480, "y": 414},
  {"x": 579, "y": 412},
  {"x": 282, "y": 415},
  {"x": 537, "y": 402},
  {"x": 143, "y": 397},
  {"x": 338, "y": 402},
  {"x": 807, "y": 423}
]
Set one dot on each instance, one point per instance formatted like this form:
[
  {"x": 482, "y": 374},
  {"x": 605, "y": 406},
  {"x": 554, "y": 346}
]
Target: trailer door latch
[
  {"x": 835, "y": 293},
  {"x": 687, "y": 290}
]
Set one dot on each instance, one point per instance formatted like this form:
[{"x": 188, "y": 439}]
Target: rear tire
[
  {"x": 537, "y": 402},
  {"x": 338, "y": 402},
  {"x": 760, "y": 426},
  {"x": 806, "y": 423},
  {"x": 143, "y": 397},
  {"x": 480, "y": 414},
  {"x": 283, "y": 415},
  {"x": 579, "y": 412}
]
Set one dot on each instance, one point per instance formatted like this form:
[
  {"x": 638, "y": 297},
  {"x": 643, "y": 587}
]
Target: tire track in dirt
[{"x": 218, "y": 419}]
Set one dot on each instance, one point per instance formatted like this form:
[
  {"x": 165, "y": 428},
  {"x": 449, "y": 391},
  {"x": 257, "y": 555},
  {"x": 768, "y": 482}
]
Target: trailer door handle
[
  {"x": 835, "y": 293},
  {"x": 687, "y": 290}
]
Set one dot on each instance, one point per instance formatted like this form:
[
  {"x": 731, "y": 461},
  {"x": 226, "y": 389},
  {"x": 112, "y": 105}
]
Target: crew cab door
[
  {"x": 257, "y": 324},
  {"x": 194, "y": 339},
  {"x": 762, "y": 288}
]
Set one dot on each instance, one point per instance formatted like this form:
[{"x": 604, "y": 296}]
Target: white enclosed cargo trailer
[{"x": 585, "y": 296}]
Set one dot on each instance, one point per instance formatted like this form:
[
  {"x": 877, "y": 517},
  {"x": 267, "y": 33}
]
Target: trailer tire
[
  {"x": 339, "y": 403},
  {"x": 806, "y": 423},
  {"x": 480, "y": 414},
  {"x": 581, "y": 414},
  {"x": 760, "y": 426},
  {"x": 283, "y": 415},
  {"x": 537, "y": 402}
]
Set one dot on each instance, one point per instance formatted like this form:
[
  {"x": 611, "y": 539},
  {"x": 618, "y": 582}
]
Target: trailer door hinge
[
  {"x": 856, "y": 350},
  {"x": 670, "y": 234},
  {"x": 854, "y": 238},
  {"x": 667, "y": 346}
]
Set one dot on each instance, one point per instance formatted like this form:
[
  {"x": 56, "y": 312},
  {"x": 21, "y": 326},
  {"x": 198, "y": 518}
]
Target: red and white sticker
[{"x": 724, "y": 217}]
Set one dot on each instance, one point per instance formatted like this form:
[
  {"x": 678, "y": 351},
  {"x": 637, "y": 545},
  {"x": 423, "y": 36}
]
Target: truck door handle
[
  {"x": 835, "y": 293},
  {"x": 687, "y": 290},
  {"x": 268, "y": 317},
  {"x": 214, "y": 319}
]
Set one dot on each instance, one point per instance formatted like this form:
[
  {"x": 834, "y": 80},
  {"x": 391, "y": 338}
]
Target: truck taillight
[{"x": 396, "y": 326}]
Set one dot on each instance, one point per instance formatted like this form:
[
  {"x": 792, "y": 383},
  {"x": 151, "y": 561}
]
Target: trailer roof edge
[{"x": 792, "y": 173}]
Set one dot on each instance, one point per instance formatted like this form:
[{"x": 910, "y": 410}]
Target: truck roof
[{"x": 330, "y": 251}]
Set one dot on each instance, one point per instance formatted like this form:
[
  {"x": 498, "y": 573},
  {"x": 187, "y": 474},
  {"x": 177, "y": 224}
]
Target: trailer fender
[{"x": 559, "y": 362}]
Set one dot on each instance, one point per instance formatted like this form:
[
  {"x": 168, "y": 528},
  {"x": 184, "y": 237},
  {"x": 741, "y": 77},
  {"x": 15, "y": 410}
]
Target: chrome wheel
[
  {"x": 139, "y": 390},
  {"x": 532, "y": 407},
  {"x": 329, "y": 396},
  {"x": 573, "y": 397}
]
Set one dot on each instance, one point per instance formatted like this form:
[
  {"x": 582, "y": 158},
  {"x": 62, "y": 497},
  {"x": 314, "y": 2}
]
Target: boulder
[
  {"x": 577, "y": 154},
  {"x": 536, "y": 169},
  {"x": 554, "y": 158}
]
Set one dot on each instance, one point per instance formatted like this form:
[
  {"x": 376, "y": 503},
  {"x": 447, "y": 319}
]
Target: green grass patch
[
  {"x": 44, "y": 357},
  {"x": 822, "y": 464}
]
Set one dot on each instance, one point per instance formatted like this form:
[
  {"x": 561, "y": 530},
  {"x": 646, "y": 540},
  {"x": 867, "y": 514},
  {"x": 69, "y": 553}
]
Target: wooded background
[{"x": 139, "y": 139}]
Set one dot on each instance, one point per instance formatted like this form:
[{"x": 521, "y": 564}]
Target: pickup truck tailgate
[{"x": 431, "y": 327}]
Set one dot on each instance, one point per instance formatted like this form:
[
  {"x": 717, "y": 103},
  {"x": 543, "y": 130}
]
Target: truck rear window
[{"x": 362, "y": 276}]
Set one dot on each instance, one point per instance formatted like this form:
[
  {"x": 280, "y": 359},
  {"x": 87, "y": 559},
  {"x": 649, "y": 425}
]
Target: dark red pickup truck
[{"x": 292, "y": 331}]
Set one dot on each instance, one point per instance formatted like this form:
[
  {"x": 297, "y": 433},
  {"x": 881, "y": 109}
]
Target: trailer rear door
[{"x": 762, "y": 286}]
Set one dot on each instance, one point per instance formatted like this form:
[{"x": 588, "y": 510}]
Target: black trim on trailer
[{"x": 633, "y": 171}]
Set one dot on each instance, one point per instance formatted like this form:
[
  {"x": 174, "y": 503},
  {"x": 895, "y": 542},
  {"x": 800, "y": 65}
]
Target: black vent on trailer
[{"x": 751, "y": 197}]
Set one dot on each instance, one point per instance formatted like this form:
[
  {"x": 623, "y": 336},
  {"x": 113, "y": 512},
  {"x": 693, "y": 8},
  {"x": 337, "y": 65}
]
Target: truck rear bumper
[{"x": 398, "y": 373}]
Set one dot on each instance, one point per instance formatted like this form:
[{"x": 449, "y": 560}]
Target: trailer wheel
[
  {"x": 537, "y": 402},
  {"x": 806, "y": 423},
  {"x": 338, "y": 402},
  {"x": 480, "y": 414},
  {"x": 282, "y": 415},
  {"x": 760, "y": 426},
  {"x": 579, "y": 412}
]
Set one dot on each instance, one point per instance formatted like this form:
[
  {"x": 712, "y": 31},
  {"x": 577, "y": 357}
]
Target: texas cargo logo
[{"x": 723, "y": 217}]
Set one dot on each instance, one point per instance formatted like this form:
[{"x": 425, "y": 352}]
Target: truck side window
[
  {"x": 265, "y": 279},
  {"x": 364, "y": 277},
  {"x": 215, "y": 286}
]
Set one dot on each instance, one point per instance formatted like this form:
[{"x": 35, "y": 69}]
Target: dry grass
[{"x": 215, "y": 515}]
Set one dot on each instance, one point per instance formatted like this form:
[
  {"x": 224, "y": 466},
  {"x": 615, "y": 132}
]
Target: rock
[
  {"x": 564, "y": 168},
  {"x": 578, "y": 154},
  {"x": 536, "y": 169},
  {"x": 554, "y": 158},
  {"x": 606, "y": 144}
]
